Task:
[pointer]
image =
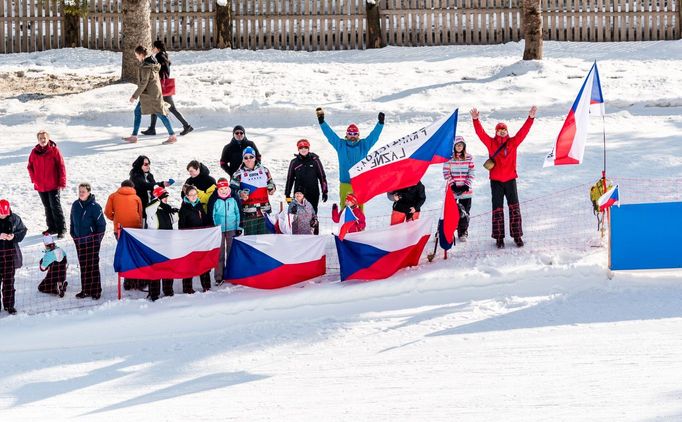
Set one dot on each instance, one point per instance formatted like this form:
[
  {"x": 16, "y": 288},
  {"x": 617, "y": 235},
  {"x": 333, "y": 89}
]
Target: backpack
[{"x": 597, "y": 190}]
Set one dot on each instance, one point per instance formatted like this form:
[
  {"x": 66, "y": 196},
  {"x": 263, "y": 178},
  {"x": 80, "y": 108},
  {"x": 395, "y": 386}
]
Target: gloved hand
[
  {"x": 171, "y": 181},
  {"x": 324, "y": 197},
  {"x": 335, "y": 207},
  {"x": 175, "y": 210},
  {"x": 293, "y": 210},
  {"x": 320, "y": 115},
  {"x": 288, "y": 198},
  {"x": 460, "y": 189},
  {"x": 238, "y": 232},
  {"x": 381, "y": 117},
  {"x": 314, "y": 223}
]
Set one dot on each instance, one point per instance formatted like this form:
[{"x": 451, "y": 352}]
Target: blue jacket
[
  {"x": 350, "y": 153},
  {"x": 225, "y": 212},
  {"x": 86, "y": 218}
]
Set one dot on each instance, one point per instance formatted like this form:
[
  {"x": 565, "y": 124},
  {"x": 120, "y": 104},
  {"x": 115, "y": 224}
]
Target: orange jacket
[{"x": 124, "y": 208}]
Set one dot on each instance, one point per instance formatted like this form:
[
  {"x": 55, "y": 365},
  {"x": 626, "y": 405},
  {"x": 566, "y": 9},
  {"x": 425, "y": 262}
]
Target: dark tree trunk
[
  {"x": 223, "y": 25},
  {"x": 71, "y": 30},
  {"x": 373, "y": 26},
  {"x": 136, "y": 31},
  {"x": 532, "y": 30}
]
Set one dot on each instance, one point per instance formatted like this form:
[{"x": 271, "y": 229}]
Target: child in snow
[
  {"x": 54, "y": 262},
  {"x": 407, "y": 203},
  {"x": 305, "y": 219},
  {"x": 160, "y": 216},
  {"x": 224, "y": 212},
  {"x": 351, "y": 216}
]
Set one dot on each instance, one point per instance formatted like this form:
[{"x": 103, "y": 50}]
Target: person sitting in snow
[
  {"x": 54, "y": 262},
  {"x": 350, "y": 149},
  {"x": 253, "y": 183},
  {"x": 351, "y": 216},
  {"x": 502, "y": 149},
  {"x": 407, "y": 203},
  {"x": 305, "y": 220}
]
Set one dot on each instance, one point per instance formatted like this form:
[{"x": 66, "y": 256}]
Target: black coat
[
  {"x": 414, "y": 196},
  {"x": 86, "y": 218},
  {"x": 203, "y": 181},
  {"x": 231, "y": 158},
  {"x": 304, "y": 174},
  {"x": 164, "y": 61},
  {"x": 144, "y": 187},
  {"x": 165, "y": 216},
  {"x": 192, "y": 217},
  {"x": 12, "y": 224}
]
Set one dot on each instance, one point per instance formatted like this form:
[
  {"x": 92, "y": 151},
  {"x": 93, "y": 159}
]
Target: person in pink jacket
[{"x": 48, "y": 175}]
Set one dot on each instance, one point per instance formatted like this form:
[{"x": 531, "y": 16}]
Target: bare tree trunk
[
  {"x": 223, "y": 27},
  {"x": 532, "y": 30},
  {"x": 136, "y": 31},
  {"x": 373, "y": 26},
  {"x": 71, "y": 24}
]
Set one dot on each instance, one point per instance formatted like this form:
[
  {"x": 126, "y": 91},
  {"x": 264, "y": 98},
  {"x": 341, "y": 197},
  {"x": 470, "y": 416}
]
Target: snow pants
[{"x": 501, "y": 190}]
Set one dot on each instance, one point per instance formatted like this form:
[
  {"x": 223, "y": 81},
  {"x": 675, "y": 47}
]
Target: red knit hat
[
  {"x": 500, "y": 126},
  {"x": 159, "y": 191},
  {"x": 352, "y": 130},
  {"x": 222, "y": 184},
  {"x": 302, "y": 143},
  {"x": 352, "y": 199},
  {"x": 4, "y": 207}
]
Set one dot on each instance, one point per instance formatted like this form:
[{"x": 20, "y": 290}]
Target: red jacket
[
  {"x": 505, "y": 160},
  {"x": 46, "y": 168}
]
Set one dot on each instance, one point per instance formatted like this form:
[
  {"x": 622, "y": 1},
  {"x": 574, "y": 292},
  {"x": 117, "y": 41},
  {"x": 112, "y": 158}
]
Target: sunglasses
[
  {"x": 146, "y": 164},
  {"x": 249, "y": 157},
  {"x": 300, "y": 148},
  {"x": 355, "y": 134},
  {"x": 239, "y": 133}
]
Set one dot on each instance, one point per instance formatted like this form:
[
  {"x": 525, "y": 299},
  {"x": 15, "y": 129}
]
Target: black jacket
[
  {"x": 231, "y": 158},
  {"x": 414, "y": 196},
  {"x": 304, "y": 174},
  {"x": 86, "y": 218},
  {"x": 165, "y": 216},
  {"x": 192, "y": 217},
  {"x": 12, "y": 224},
  {"x": 164, "y": 61},
  {"x": 203, "y": 181},
  {"x": 144, "y": 187}
]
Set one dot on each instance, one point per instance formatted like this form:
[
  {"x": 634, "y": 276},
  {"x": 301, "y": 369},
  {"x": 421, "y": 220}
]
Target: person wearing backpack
[{"x": 502, "y": 151}]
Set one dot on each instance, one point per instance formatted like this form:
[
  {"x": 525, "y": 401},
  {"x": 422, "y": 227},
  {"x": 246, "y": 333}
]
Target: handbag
[
  {"x": 168, "y": 87},
  {"x": 490, "y": 162}
]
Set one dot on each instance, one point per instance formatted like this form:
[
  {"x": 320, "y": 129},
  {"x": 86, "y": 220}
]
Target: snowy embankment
[{"x": 534, "y": 334}]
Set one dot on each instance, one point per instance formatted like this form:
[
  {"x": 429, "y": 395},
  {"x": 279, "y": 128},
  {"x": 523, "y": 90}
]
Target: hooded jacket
[
  {"x": 192, "y": 215},
  {"x": 460, "y": 173},
  {"x": 414, "y": 196},
  {"x": 46, "y": 168},
  {"x": 12, "y": 224},
  {"x": 160, "y": 216},
  {"x": 305, "y": 214},
  {"x": 231, "y": 158},
  {"x": 224, "y": 212},
  {"x": 350, "y": 153},
  {"x": 505, "y": 160},
  {"x": 304, "y": 174},
  {"x": 124, "y": 208},
  {"x": 149, "y": 87},
  {"x": 87, "y": 218}
]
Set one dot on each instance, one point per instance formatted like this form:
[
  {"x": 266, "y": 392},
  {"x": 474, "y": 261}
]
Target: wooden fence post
[
  {"x": 373, "y": 25},
  {"x": 223, "y": 24},
  {"x": 679, "y": 19}
]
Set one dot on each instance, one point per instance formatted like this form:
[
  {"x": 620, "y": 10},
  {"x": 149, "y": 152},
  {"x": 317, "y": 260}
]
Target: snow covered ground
[{"x": 538, "y": 333}]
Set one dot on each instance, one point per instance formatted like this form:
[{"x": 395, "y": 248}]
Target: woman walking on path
[
  {"x": 161, "y": 56},
  {"x": 149, "y": 94}
]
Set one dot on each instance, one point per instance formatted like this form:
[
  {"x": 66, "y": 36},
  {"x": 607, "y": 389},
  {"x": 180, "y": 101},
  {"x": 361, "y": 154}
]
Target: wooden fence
[{"x": 33, "y": 25}]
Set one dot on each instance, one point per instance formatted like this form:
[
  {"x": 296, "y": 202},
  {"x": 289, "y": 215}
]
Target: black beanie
[{"x": 239, "y": 127}]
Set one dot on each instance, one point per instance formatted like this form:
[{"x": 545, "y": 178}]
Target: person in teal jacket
[
  {"x": 350, "y": 149},
  {"x": 224, "y": 211}
]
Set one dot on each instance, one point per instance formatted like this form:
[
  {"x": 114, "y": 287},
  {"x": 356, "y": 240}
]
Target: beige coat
[{"x": 149, "y": 88}]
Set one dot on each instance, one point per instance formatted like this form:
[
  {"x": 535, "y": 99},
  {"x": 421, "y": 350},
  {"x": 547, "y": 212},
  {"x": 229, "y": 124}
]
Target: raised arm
[{"x": 523, "y": 132}]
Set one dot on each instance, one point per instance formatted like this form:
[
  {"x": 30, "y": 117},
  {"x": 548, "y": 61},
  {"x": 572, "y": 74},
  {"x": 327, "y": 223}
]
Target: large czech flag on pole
[
  {"x": 378, "y": 254},
  {"x": 402, "y": 163},
  {"x": 570, "y": 144},
  {"x": 156, "y": 254},
  {"x": 271, "y": 261}
]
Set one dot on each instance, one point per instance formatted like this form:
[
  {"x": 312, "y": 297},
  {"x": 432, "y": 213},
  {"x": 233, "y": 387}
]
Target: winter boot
[
  {"x": 187, "y": 129},
  {"x": 149, "y": 131},
  {"x": 82, "y": 295},
  {"x": 61, "y": 288},
  {"x": 518, "y": 241},
  {"x": 500, "y": 243},
  {"x": 171, "y": 140},
  {"x": 11, "y": 310},
  {"x": 96, "y": 296}
]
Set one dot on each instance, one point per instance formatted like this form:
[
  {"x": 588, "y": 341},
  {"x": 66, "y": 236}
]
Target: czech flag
[
  {"x": 271, "y": 261},
  {"x": 374, "y": 255},
  {"x": 402, "y": 163},
  {"x": 570, "y": 144},
  {"x": 609, "y": 198},
  {"x": 279, "y": 223},
  {"x": 449, "y": 220},
  {"x": 156, "y": 254},
  {"x": 346, "y": 221}
]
